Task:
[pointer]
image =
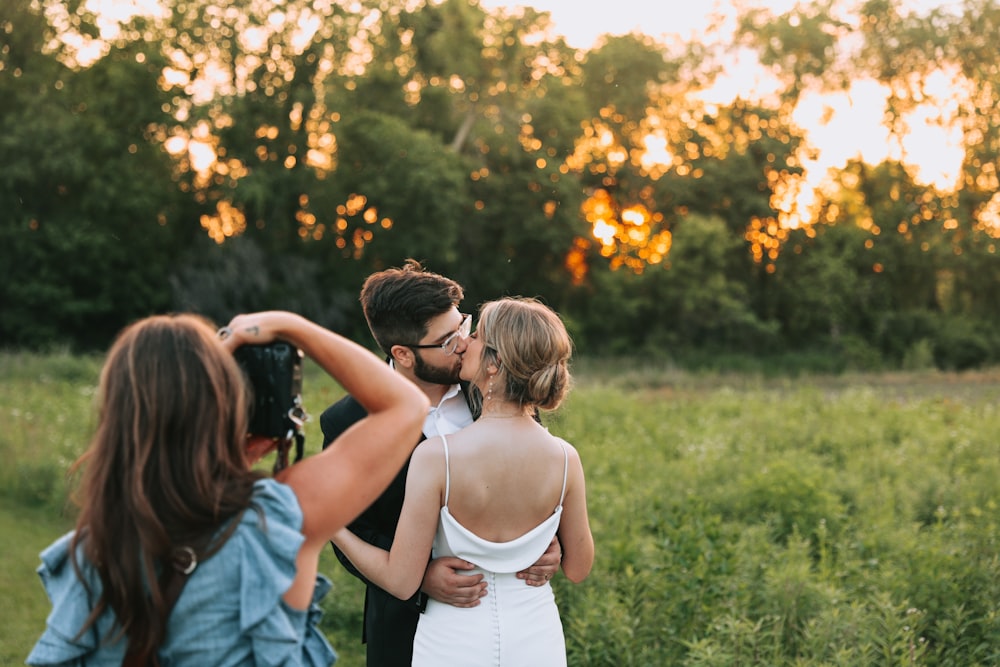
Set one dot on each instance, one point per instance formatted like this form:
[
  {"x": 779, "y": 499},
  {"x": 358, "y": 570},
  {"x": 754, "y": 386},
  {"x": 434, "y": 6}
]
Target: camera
[{"x": 274, "y": 375}]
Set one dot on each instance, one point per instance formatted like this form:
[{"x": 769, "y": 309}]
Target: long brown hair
[{"x": 166, "y": 466}]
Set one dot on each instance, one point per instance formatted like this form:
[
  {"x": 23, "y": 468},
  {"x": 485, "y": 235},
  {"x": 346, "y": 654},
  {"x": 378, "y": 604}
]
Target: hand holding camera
[{"x": 273, "y": 370}]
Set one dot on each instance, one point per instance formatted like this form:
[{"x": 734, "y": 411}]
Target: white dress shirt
[{"x": 449, "y": 415}]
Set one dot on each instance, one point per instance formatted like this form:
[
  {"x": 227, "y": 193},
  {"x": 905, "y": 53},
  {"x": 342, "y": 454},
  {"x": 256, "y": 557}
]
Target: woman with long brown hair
[{"x": 167, "y": 482}]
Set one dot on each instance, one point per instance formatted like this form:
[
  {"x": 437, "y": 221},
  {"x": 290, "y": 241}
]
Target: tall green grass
[{"x": 740, "y": 519}]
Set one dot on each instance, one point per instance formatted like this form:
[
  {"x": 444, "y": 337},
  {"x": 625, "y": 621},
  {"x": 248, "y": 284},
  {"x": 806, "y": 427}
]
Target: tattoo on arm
[{"x": 254, "y": 330}]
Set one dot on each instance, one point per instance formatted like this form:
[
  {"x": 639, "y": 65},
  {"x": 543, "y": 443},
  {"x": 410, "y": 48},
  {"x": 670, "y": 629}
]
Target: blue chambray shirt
[{"x": 230, "y": 611}]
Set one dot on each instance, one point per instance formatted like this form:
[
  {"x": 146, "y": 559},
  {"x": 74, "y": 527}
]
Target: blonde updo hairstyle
[{"x": 528, "y": 344}]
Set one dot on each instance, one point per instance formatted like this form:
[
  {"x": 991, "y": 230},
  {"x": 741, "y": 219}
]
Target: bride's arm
[
  {"x": 574, "y": 526},
  {"x": 401, "y": 570}
]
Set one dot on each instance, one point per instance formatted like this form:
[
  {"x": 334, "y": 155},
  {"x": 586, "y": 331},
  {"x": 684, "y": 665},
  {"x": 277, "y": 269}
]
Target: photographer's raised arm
[{"x": 335, "y": 485}]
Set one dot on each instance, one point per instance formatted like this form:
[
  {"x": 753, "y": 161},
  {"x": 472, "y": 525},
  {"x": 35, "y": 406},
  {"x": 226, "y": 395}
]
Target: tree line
[{"x": 228, "y": 156}]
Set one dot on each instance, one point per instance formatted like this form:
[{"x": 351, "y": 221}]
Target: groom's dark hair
[{"x": 399, "y": 302}]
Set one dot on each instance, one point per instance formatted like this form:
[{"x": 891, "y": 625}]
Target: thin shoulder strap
[
  {"x": 447, "y": 470},
  {"x": 565, "y": 472}
]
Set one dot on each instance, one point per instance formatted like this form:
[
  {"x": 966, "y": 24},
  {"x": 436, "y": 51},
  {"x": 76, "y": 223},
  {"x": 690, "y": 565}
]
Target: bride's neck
[{"x": 495, "y": 409}]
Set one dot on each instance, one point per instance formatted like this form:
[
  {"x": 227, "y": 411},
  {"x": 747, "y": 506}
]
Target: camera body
[{"x": 274, "y": 374}]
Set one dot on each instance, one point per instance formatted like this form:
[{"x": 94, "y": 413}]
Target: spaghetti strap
[
  {"x": 565, "y": 473},
  {"x": 447, "y": 472}
]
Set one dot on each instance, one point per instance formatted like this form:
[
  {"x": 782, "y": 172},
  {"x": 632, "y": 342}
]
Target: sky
[
  {"x": 582, "y": 21},
  {"x": 843, "y": 127}
]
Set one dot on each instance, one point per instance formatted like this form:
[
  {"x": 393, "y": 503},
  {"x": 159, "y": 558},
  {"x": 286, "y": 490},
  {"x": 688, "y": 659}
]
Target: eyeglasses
[{"x": 450, "y": 344}]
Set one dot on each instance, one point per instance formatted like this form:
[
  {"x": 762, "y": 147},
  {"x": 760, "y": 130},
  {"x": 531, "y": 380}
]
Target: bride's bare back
[{"x": 506, "y": 477}]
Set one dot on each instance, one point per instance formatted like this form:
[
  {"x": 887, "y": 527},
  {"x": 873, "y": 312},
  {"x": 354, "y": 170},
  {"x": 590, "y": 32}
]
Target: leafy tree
[
  {"x": 705, "y": 304},
  {"x": 506, "y": 113},
  {"x": 825, "y": 288},
  {"x": 408, "y": 194},
  {"x": 333, "y": 139},
  {"x": 626, "y": 74},
  {"x": 519, "y": 229},
  {"x": 902, "y": 50},
  {"x": 90, "y": 233},
  {"x": 801, "y": 47}
]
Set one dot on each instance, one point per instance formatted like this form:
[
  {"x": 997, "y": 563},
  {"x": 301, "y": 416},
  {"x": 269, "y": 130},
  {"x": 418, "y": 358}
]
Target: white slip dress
[{"x": 515, "y": 625}]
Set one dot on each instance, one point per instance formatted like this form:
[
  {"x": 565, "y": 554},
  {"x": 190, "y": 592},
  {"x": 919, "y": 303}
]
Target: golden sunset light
[
  {"x": 840, "y": 126},
  {"x": 843, "y": 126}
]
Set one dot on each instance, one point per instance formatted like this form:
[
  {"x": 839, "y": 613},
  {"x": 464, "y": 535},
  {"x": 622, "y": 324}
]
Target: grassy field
[{"x": 739, "y": 520}]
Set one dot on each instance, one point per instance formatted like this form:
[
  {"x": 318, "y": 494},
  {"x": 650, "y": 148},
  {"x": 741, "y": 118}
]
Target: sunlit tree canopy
[{"x": 340, "y": 137}]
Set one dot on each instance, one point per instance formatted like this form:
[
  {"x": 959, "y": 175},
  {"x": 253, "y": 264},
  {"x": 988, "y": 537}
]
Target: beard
[{"x": 425, "y": 372}]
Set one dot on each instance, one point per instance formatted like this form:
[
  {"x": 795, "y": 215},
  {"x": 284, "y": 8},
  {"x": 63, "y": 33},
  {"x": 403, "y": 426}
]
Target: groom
[{"x": 413, "y": 316}]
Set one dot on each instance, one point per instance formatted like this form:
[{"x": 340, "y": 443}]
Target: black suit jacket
[{"x": 389, "y": 623}]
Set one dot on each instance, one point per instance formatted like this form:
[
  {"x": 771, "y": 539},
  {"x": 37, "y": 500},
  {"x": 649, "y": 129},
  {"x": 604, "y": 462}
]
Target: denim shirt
[{"x": 230, "y": 611}]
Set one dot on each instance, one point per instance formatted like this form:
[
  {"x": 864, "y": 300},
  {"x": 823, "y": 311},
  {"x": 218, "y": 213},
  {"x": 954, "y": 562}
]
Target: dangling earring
[{"x": 489, "y": 391}]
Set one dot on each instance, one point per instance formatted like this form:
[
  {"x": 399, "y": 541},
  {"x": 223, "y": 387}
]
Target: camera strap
[
  {"x": 283, "y": 448},
  {"x": 175, "y": 574},
  {"x": 171, "y": 583},
  {"x": 298, "y": 417}
]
